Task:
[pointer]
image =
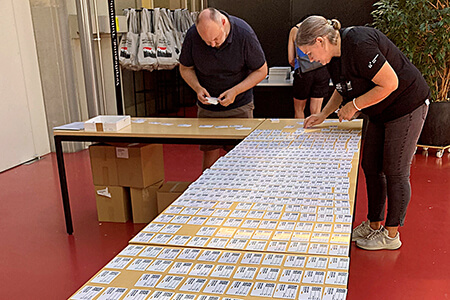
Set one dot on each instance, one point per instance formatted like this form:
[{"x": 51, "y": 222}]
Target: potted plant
[{"x": 421, "y": 29}]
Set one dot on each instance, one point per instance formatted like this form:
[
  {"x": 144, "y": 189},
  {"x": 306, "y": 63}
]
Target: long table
[
  {"x": 271, "y": 219},
  {"x": 154, "y": 130}
]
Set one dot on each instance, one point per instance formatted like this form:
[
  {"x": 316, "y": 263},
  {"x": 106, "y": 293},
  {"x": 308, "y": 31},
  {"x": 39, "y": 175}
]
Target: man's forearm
[
  {"x": 188, "y": 74},
  {"x": 251, "y": 80}
]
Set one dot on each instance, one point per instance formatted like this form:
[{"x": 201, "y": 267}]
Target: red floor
[{"x": 38, "y": 260}]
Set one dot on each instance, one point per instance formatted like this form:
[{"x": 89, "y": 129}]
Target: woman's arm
[
  {"x": 386, "y": 81},
  {"x": 291, "y": 46},
  {"x": 332, "y": 105}
]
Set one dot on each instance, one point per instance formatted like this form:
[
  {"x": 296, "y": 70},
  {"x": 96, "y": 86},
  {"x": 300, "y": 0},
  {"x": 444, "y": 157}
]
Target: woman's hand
[
  {"x": 347, "y": 112},
  {"x": 313, "y": 120}
]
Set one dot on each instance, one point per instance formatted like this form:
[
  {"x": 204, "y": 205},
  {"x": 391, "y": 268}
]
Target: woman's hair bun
[{"x": 335, "y": 24}]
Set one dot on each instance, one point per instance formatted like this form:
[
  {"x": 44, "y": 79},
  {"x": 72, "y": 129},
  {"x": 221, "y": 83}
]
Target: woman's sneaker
[
  {"x": 362, "y": 231},
  {"x": 380, "y": 240}
]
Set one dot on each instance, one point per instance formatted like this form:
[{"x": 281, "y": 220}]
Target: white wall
[{"x": 23, "y": 131}]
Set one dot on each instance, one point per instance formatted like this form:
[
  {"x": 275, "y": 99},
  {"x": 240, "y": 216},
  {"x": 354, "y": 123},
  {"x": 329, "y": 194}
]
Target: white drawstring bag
[
  {"x": 147, "y": 43},
  {"x": 166, "y": 53},
  {"x": 129, "y": 43}
]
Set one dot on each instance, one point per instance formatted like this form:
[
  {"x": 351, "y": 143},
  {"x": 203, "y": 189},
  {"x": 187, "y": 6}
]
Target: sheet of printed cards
[{"x": 271, "y": 219}]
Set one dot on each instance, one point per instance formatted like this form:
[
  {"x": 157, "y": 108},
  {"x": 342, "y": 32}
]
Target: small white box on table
[{"x": 107, "y": 123}]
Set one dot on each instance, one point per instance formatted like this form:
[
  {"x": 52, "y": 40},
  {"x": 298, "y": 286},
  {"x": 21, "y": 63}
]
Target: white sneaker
[
  {"x": 379, "y": 240},
  {"x": 362, "y": 231}
]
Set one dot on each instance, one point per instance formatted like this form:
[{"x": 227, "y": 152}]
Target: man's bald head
[{"x": 212, "y": 27}]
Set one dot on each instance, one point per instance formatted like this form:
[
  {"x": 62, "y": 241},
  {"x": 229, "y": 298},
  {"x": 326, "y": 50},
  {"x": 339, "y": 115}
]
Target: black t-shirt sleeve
[
  {"x": 254, "y": 54},
  {"x": 186, "y": 58},
  {"x": 368, "y": 59}
]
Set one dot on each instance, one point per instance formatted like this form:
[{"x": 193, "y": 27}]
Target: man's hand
[
  {"x": 202, "y": 93},
  {"x": 313, "y": 120},
  {"x": 227, "y": 97}
]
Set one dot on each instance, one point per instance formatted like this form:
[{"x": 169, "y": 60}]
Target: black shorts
[{"x": 313, "y": 84}]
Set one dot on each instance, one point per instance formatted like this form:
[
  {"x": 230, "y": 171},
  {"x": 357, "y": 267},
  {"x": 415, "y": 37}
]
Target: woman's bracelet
[{"x": 354, "y": 104}]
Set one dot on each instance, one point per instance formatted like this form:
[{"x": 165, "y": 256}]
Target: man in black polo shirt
[{"x": 222, "y": 58}]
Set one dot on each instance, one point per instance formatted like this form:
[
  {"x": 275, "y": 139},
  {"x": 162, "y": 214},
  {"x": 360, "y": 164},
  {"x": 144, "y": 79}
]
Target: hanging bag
[
  {"x": 147, "y": 43},
  {"x": 128, "y": 46},
  {"x": 166, "y": 51}
]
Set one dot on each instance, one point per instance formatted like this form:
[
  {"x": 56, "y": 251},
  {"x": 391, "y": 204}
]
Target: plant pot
[{"x": 436, "y": 130}]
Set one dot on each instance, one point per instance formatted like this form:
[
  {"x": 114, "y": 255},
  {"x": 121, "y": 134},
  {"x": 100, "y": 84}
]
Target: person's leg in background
[
  {"x": 300, "y": 90},
  {"x": 211, "y": 153},
  {"x": 299, "y": 108},
  {"x": 315, "y": 105},
  {"x": 210, "y": 157}
]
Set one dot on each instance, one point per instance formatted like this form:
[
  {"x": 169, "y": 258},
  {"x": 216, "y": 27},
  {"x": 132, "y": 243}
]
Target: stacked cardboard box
[
  {"x": 169, "y": 192},
  {"x": 126, "y": 179}
]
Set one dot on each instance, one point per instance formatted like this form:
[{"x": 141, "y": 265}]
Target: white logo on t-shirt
[{"x": 373, "y": 61}]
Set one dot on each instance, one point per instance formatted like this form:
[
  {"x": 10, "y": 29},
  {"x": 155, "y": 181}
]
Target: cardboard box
[
  {"x": 169, "y": 192},
  {"x": 103, "y": 165},
  {"x": 113, "y": 203},
  {"x": 107, "y": 123},
  {"x": 143, "y": 203},
  {"x": 140, "y": 165}
]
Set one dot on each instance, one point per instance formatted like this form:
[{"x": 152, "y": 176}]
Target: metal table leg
[{"x": 63, "y": 184}]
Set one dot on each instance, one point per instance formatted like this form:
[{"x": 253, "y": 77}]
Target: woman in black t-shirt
[{"x": 372, "y": 75}]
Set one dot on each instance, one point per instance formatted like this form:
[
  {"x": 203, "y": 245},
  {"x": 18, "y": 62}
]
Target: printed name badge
[
  {"x": 252, "y": 258},
  {"x": 193, "y": 285},
  {"x": 317, "y": 262},
  {"x": 148, "y": 280},
  {"x": 256, "y": 245},
  {"x": 239, "y": 288},
  {"x": 88, "y": 292},
  {"x": 171, "y": 228},
  {"x": 310, "y": 293},
  {"x": 263, "y": 289},
  {"x": 170, "y": 282},
  {"x": 136, "y": 294},
  {"x": 189, "y": 254},
  {"x": 159, "y": 265},
  {"x": 292, "y": 276},
  {"x": 216, "y": 286},
  {"x": 152, "y": 227},
  {"x": 273, "y": 259},
  {"x": 181, "y": 268},
  {"x": 287, "y": 291},
  {"x": 131, "y": 250},
  {"x": 295, "y": 261},
  {"x": 218, "y": 243},
  {"x": 314, "y": 277},
  {"x": 336, "y": 278},
  {"x": 112, "y": 293},
  {"x": 222, "y": 271},
  {"x": 143, "y": 237},
  {"x": 159, "y": 295},
  {"x": 229, "y": 257},
  {"x": 170, "y": 254},
  {"x": 245, "y": 273},
  {"x": 105, "y": 277},
  {"x": 225, "y": 232},
  {"x": 201, "y": 270},
  {"x": 334, "y": 294},
  {"x": 118, "y": 263},
  {"x": 205, "y": 297},
  {"x": 340, "y": 263},
  {"x": 210, "y": 255}
]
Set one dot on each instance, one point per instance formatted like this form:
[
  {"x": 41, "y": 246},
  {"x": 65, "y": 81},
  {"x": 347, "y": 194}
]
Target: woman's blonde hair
[{"x": 315, "y": 26}]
